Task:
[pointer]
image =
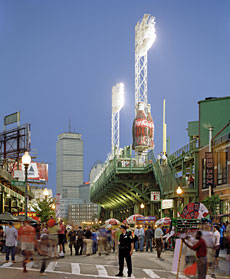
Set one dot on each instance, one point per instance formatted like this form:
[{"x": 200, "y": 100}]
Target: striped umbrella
[
  {"x": 132, "y": 219},
  {"x": 112, "y": 221}
]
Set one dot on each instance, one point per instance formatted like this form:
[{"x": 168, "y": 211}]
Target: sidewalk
[{"x": 223, "y": 254}]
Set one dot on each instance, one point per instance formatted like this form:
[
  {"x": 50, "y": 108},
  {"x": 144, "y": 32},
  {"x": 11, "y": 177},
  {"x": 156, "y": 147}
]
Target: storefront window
[{"x": 222, "y": 167}]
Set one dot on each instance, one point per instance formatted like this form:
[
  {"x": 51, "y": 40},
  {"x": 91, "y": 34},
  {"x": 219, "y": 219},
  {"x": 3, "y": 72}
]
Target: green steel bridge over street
[{"x": 124, "y": 183}]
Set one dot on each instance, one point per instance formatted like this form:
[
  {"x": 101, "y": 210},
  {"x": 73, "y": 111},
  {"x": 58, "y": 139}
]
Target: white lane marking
[
  {"x": 101, "y": 271},
  {"x": 151, "y": 273},
  {"x": 75, "y": 268},
  {"x": 125, "y": 272},
  {"x": 29, "y": 265},
  {"x": 51, "y": 266},
  {"x": 6, "y": 265}
]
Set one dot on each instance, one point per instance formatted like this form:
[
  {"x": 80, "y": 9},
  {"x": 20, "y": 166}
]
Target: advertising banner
[
  {"x": 194, "y": 210},
  {"x": 37, "y": 172},
  {"x": 209, "y": 169}
]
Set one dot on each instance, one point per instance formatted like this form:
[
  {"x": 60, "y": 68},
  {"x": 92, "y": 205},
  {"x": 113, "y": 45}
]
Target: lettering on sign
[
  {"x": 155, "y": 196},
  {"x": 209, "y": 169}
]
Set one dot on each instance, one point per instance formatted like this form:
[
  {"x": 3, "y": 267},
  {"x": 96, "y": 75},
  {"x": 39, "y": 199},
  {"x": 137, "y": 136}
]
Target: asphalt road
[{"x": 145, "y": 265}]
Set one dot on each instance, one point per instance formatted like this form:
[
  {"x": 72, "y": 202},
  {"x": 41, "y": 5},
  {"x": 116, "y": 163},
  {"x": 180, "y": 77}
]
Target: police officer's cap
[{"x": 123, "y": 227}]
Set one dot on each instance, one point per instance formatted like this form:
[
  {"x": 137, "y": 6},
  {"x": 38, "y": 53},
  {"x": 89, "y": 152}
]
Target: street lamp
[
  {"x": 26, "y": 160},
  {"x": 179, "y": 191},
  {"x": 46, "y": 193},
  {"x": 142, "y": 206}
]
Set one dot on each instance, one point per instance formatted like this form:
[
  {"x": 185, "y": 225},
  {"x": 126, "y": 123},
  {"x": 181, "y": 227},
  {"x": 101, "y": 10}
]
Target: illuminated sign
[{"x": 165, "y": 204}]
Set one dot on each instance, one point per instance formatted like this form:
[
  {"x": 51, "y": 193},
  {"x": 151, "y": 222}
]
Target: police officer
[{"x": 125, "y": 251}]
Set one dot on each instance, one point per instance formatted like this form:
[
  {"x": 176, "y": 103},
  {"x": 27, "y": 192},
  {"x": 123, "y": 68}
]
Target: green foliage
[
  {"x": 44, "y": 208},
  {"x": 212, "y": 203}
]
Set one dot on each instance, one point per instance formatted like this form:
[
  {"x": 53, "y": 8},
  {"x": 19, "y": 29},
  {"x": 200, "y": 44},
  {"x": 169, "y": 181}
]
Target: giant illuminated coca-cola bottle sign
[
  {"x": 150, "y": 129},
  {"x": 140, "y": 129}
]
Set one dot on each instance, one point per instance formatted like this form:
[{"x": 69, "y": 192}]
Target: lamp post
[
  {"x": 179, "y": 192},
  {"x": 26, "y": 160}
]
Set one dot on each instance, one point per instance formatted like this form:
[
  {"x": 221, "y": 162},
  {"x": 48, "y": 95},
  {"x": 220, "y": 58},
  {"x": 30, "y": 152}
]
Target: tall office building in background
[{"x": 69, "y": 169}]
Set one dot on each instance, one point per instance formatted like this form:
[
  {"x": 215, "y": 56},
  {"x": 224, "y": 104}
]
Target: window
[{"x": 222, "y": 167}]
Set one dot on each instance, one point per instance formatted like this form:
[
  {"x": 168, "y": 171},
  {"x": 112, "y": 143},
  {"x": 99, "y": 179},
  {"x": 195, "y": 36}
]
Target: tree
[
  {"x": 44, "y": 209},
  {"x": 212, "y": 203}
]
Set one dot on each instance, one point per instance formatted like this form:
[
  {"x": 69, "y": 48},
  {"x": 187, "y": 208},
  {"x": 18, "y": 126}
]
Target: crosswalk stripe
[
  {"x": 125, "y": 271},
  {"x": 30, "y": 264},
  {"x": 51, "y": 266},
  {"x": 101, "y": 271},
  {"x": 75, "y": 268},
  {"x": 151, "y": 273},
  {"x": 7, "y": 264}
]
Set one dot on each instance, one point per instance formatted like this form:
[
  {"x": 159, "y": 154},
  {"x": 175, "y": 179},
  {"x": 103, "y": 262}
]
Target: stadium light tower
[
  {"x": 117, "y": 104},
  {"x": 145, "y": 36}
]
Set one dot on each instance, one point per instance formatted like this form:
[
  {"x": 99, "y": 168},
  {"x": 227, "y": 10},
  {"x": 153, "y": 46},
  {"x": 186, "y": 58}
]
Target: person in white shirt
[
  {"x": 159, "y": 240},
  {"x": 137, "y": 234},
  {"x": 11, "y": 235},
  {"x": 216, "y": 241}
]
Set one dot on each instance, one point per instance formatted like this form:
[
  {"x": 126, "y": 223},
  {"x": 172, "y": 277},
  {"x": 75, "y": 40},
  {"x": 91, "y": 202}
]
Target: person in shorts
[
  {"x": 27, "y": 240},
  {"x": 53, "y": 237},
  {"x": 216, "y": 240},
  {"x": 61, "y": 238}
]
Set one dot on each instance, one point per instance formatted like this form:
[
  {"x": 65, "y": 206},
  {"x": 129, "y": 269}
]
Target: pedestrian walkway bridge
[{"x": 124, "y": 183}]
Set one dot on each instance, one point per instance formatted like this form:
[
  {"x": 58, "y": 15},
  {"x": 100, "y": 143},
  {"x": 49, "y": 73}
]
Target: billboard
[
  {"x": 14, "y": 142},
  {"x": 12, "y": 118},
  {"x": 37, "y": 172}
]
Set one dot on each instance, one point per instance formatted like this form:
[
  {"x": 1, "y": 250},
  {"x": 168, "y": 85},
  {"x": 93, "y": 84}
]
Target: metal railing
[
  {"x": 194, "y": 144},
  {"x": 222, "y": 139}
]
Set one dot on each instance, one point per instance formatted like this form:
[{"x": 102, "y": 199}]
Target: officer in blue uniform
[{"x": 126, "y": 244}]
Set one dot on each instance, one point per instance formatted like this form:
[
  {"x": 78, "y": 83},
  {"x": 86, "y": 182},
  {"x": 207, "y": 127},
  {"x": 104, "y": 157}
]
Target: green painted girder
[
  {"x": 115, "y": 200},
  {"x": 136, "y": 189},
  {"x": 129, "y": 193}
]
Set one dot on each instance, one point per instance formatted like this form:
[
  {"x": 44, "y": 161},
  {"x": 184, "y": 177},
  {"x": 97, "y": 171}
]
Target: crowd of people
[{"x": 49, "y": 240}]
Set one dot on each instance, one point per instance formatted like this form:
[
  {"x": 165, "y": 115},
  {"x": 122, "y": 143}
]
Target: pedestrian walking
[
  {"x": 94, "y": 238},
  {"x": 53, "y": 236},
  {"x": 149, "y": 239},
  {"x": 137, "y": 237},
  {"x": 2, "y": 239},
  {"x": 11, "y": 236},
  {"x": 125, "y": 251},
  {"x": 201, "y": 252},
  {"x": 159, "y": 240},
  {"x": 79, "y": 238},
  {"x": 216, "y": 240},
  {"x": 61, "y": 238},
  {"x": 101, "y": 241},
  {"x": 88, "y": 241},
  {"x": 44, "y": 250},
  {"x": 141, "y": 238},
  {"x": 27, "y": 239},
  {"x": 72, "y": 241}
]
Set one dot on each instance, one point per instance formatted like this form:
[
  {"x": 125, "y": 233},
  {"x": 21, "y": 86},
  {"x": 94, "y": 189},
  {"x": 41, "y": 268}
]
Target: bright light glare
[
  {"x": 26, "y": 159},
  {"x": 45, "y": 192},
  {"x": 145, "y": 34},
  {"x": 142, "y": 206},
  {"x": 179, "y": 190},
  {"x": 118, "y": 97}
]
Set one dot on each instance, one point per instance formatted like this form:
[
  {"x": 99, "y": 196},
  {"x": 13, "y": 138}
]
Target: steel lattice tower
[{"x": 144, "y": 38}]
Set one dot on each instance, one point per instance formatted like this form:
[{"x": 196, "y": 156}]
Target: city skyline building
[
  {"x": 69, "y": 165},
  {"x": 69, "y": 170}
]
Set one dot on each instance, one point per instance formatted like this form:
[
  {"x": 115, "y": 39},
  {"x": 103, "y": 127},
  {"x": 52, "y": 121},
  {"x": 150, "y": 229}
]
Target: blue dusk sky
[{"x": 60, "y": 58}]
